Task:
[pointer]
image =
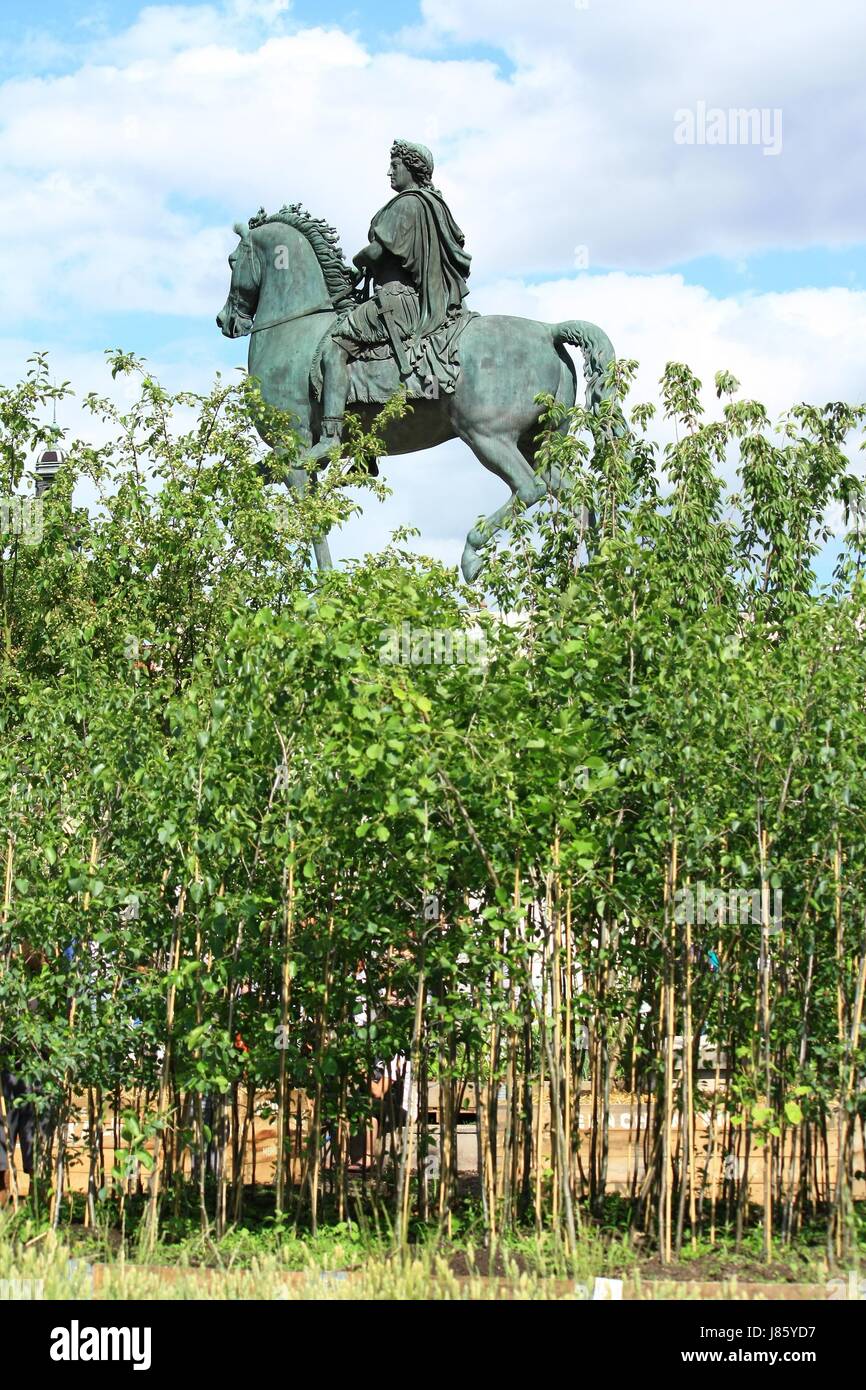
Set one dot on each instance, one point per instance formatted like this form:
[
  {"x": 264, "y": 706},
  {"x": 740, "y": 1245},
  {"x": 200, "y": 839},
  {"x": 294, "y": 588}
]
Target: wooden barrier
[{"x": 626, "y": 1148}]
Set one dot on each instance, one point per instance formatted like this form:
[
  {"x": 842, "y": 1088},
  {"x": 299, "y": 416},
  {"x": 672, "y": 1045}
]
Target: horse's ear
[{"x": 242, "y": 230}]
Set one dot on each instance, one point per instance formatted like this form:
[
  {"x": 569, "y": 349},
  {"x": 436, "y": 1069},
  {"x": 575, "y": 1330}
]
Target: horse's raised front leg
[{"x": 502, "y": 457}]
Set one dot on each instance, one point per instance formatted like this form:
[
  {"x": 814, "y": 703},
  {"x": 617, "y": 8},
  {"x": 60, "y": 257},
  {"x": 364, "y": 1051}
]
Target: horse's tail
[{"x": 597, "y": 351}]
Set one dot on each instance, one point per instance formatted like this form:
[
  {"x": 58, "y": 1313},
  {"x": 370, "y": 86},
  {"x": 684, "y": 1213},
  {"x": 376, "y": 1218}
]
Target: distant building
[{"x": 47, "y": 466}]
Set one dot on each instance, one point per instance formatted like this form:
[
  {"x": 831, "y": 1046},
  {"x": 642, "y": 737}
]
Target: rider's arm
[{"x": 370, "y": 254}]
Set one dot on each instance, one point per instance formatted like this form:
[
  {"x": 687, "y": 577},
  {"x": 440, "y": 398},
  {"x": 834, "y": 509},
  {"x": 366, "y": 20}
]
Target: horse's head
[{"x": 236, "y": 316}]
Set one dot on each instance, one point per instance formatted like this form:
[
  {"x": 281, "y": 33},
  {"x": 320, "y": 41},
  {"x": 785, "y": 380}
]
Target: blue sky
[
  {"x": 132, "y": 136},
  {"x": 75, "y": 23}
]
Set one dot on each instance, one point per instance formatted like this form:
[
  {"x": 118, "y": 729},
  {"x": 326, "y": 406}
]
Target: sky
[{"x": 584, "y": 146}]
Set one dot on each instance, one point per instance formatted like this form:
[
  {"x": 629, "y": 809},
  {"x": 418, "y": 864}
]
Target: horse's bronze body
[{"x": 289, "y": 285}]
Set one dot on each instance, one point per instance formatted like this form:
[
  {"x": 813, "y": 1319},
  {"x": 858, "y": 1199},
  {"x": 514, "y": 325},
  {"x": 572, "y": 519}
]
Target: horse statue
[{"x": 290, "y": 285}]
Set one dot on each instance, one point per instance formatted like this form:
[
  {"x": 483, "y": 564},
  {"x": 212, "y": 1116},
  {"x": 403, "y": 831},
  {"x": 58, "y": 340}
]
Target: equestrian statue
[{"x": 327, "y": 339}]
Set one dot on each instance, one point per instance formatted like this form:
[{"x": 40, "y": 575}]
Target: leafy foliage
[{"x": 222, "y": 809}]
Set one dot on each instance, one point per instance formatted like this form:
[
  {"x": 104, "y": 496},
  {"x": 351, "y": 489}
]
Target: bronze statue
[{"x": 321, "y": 345}]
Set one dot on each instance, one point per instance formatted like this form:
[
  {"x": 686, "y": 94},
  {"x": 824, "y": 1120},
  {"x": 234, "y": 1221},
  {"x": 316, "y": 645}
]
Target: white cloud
[
  {"x": 800, "y": 345},
  {"x": 162, "y": 30},
  {"x": 220, "y": 105},
  {"x": 119, "y": 181}
]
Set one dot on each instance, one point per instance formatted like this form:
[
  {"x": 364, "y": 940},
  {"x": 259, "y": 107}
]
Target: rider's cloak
[{"x": 416, "y": 228}]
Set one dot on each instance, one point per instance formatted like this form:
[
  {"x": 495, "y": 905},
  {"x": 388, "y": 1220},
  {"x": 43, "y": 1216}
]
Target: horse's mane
[{"x": 339, "y": 279}]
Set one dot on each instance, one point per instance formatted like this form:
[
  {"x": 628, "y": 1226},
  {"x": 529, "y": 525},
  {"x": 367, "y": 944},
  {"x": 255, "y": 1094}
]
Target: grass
[{"x": 268, "y": 1259}]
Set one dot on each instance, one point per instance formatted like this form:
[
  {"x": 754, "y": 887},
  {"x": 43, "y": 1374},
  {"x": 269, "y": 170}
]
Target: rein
[{"x": 301, "y": 314}]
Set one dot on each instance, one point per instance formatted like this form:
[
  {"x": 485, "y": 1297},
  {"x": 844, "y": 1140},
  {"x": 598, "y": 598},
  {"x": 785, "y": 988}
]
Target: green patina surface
[{"x": 326, "y": 338}]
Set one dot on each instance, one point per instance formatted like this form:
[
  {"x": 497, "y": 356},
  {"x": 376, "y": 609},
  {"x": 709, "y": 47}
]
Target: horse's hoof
[{"x": 471, "y": 563}]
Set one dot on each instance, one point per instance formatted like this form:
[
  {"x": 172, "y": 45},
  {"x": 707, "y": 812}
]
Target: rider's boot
[{"x": 331, "y": 434}]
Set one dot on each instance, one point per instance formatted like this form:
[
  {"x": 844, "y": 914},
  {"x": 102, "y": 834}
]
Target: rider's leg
[
  {"x": 335, "y": 389},
  {"x": 335, "y": 385}
]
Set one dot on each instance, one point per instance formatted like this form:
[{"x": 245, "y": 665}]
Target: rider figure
[{"x": 416, "y": 259}]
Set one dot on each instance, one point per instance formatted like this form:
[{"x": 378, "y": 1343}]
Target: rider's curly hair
[{"x": 417, "y": 159}]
